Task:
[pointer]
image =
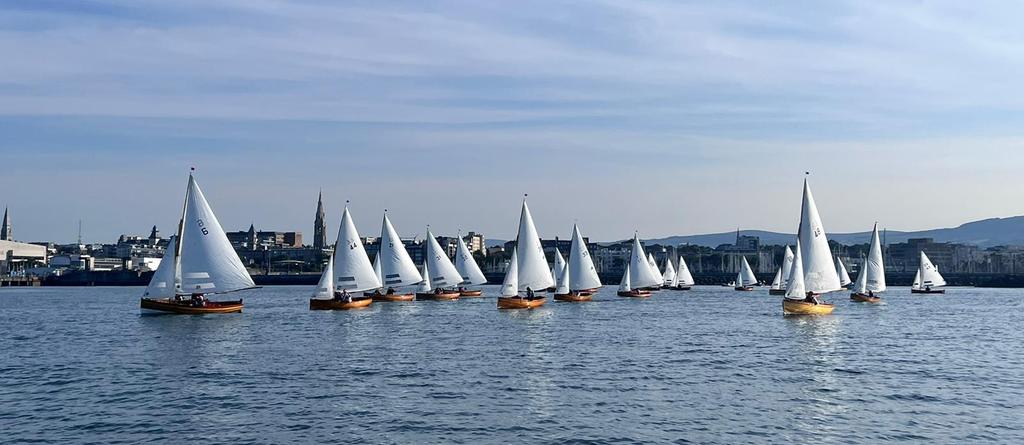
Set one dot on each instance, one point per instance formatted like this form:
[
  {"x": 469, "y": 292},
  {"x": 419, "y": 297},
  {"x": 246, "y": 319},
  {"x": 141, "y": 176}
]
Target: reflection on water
[{"x": 709, "y": 365}]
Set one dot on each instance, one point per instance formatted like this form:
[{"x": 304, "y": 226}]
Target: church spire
[
  {"x": 5, "y": 229},
  {"x": 320, "y": 224}
]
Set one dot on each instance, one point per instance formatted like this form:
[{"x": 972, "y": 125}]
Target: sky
[{"x": 663, "y": 117}]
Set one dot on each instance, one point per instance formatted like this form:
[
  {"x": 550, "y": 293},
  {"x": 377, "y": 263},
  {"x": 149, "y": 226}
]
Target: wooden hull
[
  {"x": 394, "y": 297},
  {"x": 316, "y": 304},
  {"x": 167, "y": 306},
  {"x": 800, "y": 307},
  {"x": 446, "y": 296},
  {"x": 744, "y": 288},
  {"x": 574, "y": 297},
  {"x": 471, "y": 293},
  {"x": 864, "y": 298},
  {"x": 927, "y": 291},
  {"x": 636, "y": 293},
  {"x": 588, "y": 291},
  {"x": 520, "y": 303},
  {"x": 776, "y": 292}
]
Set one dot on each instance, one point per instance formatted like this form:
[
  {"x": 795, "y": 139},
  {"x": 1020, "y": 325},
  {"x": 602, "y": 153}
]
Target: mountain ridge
[{"x": 983, "y": 233}]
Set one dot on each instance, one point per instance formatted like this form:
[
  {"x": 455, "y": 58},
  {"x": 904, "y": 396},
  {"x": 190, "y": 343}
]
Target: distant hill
[{"x": 985, "y": 233}]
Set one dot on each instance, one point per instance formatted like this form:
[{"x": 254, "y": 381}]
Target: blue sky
[{"x": 663, "y": 117}]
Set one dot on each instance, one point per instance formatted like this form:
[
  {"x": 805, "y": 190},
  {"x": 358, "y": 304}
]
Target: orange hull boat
[
  {"x": 471, "y": 293},
  {"x": 635, "y": 293},
  {"x": 520, "y": 302},
  {"x": 574, "y": 297},
  {"x": 316, "y": 304},
  {"x": 441, "y": 296},
  {"x": 863, "y": 298},
  {"x": 394, "y": 297},
  {"x": 169, "y": 306}
]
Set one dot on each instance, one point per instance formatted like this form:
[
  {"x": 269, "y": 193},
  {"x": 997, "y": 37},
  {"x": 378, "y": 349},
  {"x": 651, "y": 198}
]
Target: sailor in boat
[
  {"x": 391, "y": 291},
  {"x": 529, "y": 293},
  {"x": 343, "y": 296},
  {"x": 871, "y": 293},
  {"x": 198, "y": 300},
  {"x": 811, "y": 298}
]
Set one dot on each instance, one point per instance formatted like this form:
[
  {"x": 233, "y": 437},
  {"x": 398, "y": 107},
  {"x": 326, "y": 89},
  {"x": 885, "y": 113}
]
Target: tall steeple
[
  {"x": 5, "y": 229},
  {"x": 320, "y": 224}
]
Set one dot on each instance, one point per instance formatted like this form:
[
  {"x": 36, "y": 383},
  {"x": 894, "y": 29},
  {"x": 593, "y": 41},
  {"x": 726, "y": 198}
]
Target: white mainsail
[
  {"x": 777, "y": 281},
  {"x": 557, "y": 266},
  {"x": 442, "y": 271},
  {"x": 653, "y": 264},
  {"x": 424, "y": 286},
  {"x": 844, "y": 276},
  {"x": 396, "y": 268},
  {"x": 510, "y": 286},
  {"x": 325, "y": 287},
  {"x": 641, "y": 274},
  {"x": 787, "y": 267},
  {"x": 562, "y": 287},
  {"x": 746, "y": 276},
  {"x": 874, "y": 269},
  {"x": 208, "y": 262},
  {"x": 352, "y": 269},
  {"x": 466, "y": 265},
  {"x": 819, "y": 272},
  {"x": 685, "y": 278},
  {"x": 162, "y": 284},
  {"x": 376, "y": 266},
  {"x": 582, "y": 273},
  {"x": 930, "y": 276},
  {"x": 624, "y": 285},
  {"x": 796, "y": 289},
  {"x": 532, "y": 268},
  {"x": 669, "y": 277}
]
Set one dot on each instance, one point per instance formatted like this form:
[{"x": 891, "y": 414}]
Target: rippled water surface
[{"x": 79, "y": 365}]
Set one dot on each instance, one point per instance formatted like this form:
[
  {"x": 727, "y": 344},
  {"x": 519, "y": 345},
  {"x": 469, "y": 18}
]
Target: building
[
  {"x": 17, "y": 257},
  {"x": 253, "y": 240},
  {"x": 320, "y": 225},
  {"x": 475, "y": 242},
  {"x": 947, "y": 257}
]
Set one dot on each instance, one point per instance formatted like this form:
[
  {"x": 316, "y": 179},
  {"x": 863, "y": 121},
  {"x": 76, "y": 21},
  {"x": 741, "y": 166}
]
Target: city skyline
[{"x": 667, "y": 118}]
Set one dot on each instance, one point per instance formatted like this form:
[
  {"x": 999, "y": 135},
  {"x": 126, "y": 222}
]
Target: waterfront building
[
  {"x": 475, "y": 242},
  {"x": 254, "y": 240}
]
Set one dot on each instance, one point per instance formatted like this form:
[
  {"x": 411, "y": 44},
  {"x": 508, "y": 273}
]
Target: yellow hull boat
[{"x": 800, "y": 307}]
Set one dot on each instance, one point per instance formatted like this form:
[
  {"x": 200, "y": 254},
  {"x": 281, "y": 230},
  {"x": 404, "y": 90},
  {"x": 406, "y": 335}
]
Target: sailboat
[
  {"x": 396, "y": 267},
  {"x": 438, "y": 273},
  {"x": 199, "y": 261},
  {"x": 778, "y": 286},
  {"x": 669, "y": 277},
  {"x": 528, "y": 270},
  {"x": 815, "y": 260},
  {"x": 579, "y": 280},
  {"x": 469, "y": 270},
  {"x": 871, "y": 279},
  {"x": 684, "y": 280},
  {"x": 844, "y": 276},
  {"x": 927, "y": 278},
  {"x": 639, "y": 276},
  {"x": 350, "y": 270},
  {"x": 745, "y": 279},
  {"x": 653, "y": 264},
  {"x": 557, "y": 267},
  {"x": 376, "y": 270}
]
